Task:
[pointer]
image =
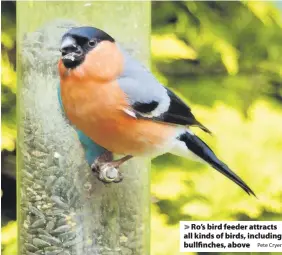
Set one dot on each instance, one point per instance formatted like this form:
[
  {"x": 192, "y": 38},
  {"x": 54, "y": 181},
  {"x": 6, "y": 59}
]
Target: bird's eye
[{"x": 92, "y": 43}]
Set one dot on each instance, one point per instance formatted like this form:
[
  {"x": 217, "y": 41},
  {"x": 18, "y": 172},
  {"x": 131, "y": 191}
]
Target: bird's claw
[{"x": 106, "y": 172}]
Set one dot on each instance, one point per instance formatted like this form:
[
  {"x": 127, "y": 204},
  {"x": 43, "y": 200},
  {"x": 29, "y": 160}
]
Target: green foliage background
[{"x": 225, "y": 60}]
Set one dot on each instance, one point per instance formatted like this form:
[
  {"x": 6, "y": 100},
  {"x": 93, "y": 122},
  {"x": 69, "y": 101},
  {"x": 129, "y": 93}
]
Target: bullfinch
[{"x": 117, "y": 103}]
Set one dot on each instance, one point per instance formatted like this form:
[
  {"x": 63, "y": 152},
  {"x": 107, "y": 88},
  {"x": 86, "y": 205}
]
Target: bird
[{"x": 117, "y": 103}]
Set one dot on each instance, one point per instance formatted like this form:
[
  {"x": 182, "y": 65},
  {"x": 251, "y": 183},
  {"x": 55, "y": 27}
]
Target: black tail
[{"x": 202, "y": 150}]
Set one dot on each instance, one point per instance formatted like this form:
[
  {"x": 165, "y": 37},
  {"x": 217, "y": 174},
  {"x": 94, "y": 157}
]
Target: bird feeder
[{"x": 63, "y": 208}]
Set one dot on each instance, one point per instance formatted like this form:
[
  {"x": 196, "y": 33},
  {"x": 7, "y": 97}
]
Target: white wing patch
[{"x": 130, "y": 113}]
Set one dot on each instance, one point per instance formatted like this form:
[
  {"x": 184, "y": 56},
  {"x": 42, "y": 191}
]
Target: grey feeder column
[{"x": 63, "y": 208}]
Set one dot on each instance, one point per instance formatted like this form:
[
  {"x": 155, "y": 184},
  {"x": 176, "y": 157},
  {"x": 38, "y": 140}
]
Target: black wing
[
  {"x": 151, "y": 100},
  {"x": 178, "y": 112}
]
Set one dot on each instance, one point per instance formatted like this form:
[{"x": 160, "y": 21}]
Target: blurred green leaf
[
  {"x": 9, "y": 239},
  {"x": 233, "y": 85},
  {"x": 8, "y": 82}
]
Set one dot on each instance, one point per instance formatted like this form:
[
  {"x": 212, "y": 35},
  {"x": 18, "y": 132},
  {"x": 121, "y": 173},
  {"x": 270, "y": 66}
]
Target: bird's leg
[{"x": 107, "y": 169}]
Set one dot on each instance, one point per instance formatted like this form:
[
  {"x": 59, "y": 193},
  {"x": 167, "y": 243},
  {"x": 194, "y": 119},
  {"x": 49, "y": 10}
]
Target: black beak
[{"x": 72, "y": 54}]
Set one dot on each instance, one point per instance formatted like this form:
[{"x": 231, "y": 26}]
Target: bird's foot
[{"x": 107, "y": 172}]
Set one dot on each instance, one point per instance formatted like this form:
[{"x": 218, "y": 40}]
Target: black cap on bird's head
[{"x": 78, "y": 41}]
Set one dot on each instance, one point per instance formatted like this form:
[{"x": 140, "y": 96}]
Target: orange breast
[
  {"x": 96, "y": 110},
  {"x": 95, "y": 106}
]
